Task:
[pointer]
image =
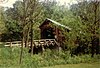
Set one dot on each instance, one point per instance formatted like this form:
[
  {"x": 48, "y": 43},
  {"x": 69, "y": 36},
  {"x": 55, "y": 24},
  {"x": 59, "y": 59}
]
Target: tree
[
  {"x": 24, "y": 14},
  {"x": 31, "y": 13},
  {"x": 88, "y": 12},
  {"x": 2, "y": 24}
]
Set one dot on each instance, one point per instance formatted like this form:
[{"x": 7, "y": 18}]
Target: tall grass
[{"x": 9, "y": 57}]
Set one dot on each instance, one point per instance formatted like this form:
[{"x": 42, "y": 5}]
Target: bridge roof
[{"x": 57, "y": 23}]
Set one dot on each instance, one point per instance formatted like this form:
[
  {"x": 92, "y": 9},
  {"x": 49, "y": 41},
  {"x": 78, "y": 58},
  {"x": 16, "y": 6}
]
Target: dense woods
[{"x": 21, "y": 23}]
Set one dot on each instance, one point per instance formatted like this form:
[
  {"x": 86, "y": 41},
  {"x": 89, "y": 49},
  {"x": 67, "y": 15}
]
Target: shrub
[{"x": 10, "y": 58}]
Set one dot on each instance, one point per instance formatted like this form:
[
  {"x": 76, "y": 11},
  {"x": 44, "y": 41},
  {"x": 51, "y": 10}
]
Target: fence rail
[{"x": 41, "y": 42}]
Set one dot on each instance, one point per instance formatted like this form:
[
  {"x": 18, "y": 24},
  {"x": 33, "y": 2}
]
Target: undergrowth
[{"x": 9, "y": 57}]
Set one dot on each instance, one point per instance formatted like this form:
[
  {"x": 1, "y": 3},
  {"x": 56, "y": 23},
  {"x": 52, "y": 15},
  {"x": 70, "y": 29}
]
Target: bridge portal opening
[{"x": 48, "y": 33}]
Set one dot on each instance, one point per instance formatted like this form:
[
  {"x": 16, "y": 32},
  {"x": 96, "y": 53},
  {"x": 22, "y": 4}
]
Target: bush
[{"x": 10, "y": 58}]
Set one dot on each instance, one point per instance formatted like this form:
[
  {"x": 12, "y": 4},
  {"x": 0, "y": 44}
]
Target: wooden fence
[{"x": 41, "y": 42}]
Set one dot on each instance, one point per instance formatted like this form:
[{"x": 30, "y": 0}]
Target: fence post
[{"x": 10, "y": 44}]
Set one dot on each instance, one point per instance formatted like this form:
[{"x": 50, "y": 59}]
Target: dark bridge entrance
[{"x": 48, "y": 33}]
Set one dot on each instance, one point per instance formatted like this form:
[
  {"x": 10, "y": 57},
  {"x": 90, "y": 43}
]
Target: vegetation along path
[{"x": 81, "y": 65}]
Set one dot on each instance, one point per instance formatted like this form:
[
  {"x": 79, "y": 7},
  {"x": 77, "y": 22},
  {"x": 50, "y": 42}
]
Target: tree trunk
[
  {"x": 27, "y": 44},
  {"x": 27, "y": 38},
  {"x": 31, "y": 36},
  {"x": 21, "y": 54}
]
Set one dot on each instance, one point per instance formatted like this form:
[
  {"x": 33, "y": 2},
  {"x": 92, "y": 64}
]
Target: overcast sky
[{"x": 9, "y": 3}]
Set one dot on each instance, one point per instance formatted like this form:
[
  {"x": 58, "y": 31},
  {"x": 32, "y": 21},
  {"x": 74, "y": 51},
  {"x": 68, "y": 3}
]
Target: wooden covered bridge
[{"x": 51, "y": 35}]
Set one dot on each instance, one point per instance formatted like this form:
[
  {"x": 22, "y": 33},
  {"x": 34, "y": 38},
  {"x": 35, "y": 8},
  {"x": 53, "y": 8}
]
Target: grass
[
  {"x": 9, "y": 58},
  {"x": 81, "y": 65}
]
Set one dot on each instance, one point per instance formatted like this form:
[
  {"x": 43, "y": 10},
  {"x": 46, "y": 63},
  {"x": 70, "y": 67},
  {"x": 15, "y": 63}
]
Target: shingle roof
[{"x": 57, "y": 23}]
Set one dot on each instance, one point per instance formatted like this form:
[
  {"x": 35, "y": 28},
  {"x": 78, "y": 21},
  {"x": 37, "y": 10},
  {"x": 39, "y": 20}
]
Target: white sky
[{"x": 10, "y": 3}]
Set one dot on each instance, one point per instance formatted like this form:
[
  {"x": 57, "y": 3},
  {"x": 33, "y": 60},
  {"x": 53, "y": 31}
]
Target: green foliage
[
  {"x": 81, "y": 18},
  {"x": 9, "y": 57},
  {"x": 2, "y": 24},
  {"x": 13, "y": 26}
]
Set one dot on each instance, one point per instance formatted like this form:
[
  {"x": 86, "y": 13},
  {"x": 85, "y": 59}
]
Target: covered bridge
[
  {"x": 49, "y": 30},
  {"x": 51, "y": 36}
]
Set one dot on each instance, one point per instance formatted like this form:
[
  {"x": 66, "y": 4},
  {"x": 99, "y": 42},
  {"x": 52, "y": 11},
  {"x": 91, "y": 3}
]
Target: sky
[{"x": 9, "y": 3}]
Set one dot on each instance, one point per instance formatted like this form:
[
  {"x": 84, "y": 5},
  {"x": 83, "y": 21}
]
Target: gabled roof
[{"x": 57, "y": 23}]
